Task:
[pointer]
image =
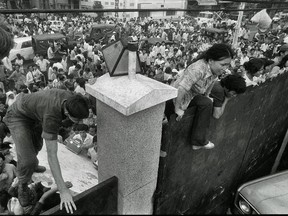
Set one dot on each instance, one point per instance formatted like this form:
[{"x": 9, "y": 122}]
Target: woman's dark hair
[
  {"x": 253, "y": 65},
  {"x": 234, "y": 83},
  {"x": 283, "y": 61},
  {"x": 217, "y": 52}
]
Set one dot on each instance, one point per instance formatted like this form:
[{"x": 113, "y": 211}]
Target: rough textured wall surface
[
  {"x": 247, "y": 139},
  {"x": 98, "y": 200}
]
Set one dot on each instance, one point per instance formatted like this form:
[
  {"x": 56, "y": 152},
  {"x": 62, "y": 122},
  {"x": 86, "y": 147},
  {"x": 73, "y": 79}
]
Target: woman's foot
[{"x": 209, "y": 145}]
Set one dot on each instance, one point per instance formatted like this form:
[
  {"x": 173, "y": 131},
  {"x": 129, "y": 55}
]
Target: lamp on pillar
[
  {"x": 130, "y": 114},
  {"x": 117, "y": 57}
]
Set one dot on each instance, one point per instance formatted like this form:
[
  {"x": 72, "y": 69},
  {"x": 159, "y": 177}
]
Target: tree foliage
[{"x": 98, "y": 5}]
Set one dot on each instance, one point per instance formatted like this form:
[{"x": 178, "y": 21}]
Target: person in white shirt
[
  {"x": 7, "y": 63},
  {"x": 162, "y": 48},
  {"x": 96, "y": 58},
  {"x": 244, "y": 58},
  {"x": 43, "y": 65},
  {"x": 58, "y": 65},
  {"x": 50, "y": 52},
  {"x": 73, "y": 54},
  {"x": 80, "y": 86},
  {"x": 64, "y": 63},
  {"x": 85, "y": 138},
  {"x": 156, "y": 49},
  {"x": 143, "y": 58},
  {"x": 159, "y": 60}
]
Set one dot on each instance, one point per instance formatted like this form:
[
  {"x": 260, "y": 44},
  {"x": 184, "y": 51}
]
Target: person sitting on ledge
[{"x": 194, "y": 87}]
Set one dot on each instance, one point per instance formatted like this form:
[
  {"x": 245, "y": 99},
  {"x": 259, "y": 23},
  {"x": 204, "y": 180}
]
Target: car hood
[{"x": 268, "y": 195}]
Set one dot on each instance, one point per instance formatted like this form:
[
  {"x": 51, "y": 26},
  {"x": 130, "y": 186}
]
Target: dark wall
[
  {"x": 247, "y": 139},
  {"x": 98, "y": 200}
]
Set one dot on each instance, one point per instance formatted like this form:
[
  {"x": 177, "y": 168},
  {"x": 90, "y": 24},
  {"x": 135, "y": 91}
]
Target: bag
[{"x": 73, "y": 145}]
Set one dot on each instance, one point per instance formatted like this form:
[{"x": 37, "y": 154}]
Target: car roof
[
  {"x": 269, "y": 194},
  {"x": 103, "y": 25},
  {"x": 48, "y": 36}
]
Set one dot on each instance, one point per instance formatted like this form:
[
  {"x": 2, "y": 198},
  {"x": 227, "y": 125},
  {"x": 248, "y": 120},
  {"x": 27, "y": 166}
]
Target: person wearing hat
[{"x": 34, "y": 117}]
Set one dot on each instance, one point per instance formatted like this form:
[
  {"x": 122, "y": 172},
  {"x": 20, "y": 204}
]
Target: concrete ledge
[{"x": 129, "y": 96}]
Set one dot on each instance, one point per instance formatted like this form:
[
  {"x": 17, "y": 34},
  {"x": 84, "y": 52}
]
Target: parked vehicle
[
  {"x": 102, "y": 32},
  {"x": 23, "y": 46},
  {"x": 40, "y": 43},
  {"x": 266, "y": 195},
  {"x": 204, "y": 17},
  {"x": 211, "y": 32}
]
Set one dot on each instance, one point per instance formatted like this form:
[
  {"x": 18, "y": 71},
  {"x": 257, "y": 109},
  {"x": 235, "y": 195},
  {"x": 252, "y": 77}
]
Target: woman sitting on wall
[{"x": 194, "y": 87}]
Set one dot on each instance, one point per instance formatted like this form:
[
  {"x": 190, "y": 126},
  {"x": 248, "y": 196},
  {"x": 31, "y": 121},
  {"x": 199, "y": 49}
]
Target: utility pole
[{"x": 238, "y": 26}]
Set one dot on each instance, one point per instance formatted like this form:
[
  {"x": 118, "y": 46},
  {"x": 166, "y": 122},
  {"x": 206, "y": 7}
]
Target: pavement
[{"x": 78, "y": 169}]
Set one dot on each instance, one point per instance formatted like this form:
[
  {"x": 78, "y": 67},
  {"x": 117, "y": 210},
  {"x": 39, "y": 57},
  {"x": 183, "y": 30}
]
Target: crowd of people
[{"x": 206, "y": 69}]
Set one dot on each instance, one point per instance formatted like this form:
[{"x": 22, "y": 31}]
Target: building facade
[
  {"x": 145, "y": 4},
  {"x": 107, "y": 4}
]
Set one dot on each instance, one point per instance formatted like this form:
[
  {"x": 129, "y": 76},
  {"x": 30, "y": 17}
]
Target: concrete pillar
[{"x": 129, "y": 123}]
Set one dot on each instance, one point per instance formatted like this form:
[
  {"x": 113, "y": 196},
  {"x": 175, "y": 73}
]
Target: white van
[
  {"x": 23, "y": 46},
  {"x": 204, "y": 17}
]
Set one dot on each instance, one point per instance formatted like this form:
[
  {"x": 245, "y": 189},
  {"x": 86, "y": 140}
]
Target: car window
[{"x": 26, "y": 44}]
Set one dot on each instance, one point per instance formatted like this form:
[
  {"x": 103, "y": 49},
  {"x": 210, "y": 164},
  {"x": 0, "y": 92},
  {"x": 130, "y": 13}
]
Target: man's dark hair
[
  {"x": 78, "y": 106},
  {"x": 83, "y": 127},
  {"x": 234, "y": 83}
]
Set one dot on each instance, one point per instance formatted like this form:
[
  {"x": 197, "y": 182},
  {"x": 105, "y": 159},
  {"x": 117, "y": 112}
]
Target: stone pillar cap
[{"x": 129, "y": 96}]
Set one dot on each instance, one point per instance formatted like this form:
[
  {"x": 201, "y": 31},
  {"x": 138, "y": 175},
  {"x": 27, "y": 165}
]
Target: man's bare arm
[{"x": 65, "y": 194}]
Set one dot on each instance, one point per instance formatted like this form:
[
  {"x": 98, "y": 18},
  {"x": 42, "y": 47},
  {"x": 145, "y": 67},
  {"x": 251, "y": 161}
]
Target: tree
[{"x": 98, "y": 5}]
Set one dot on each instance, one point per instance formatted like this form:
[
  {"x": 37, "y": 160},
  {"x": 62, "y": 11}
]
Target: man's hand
[{"x": 67, "y": 200}]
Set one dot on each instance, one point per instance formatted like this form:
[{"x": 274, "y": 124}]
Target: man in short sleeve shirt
[{"x": 25, "y": 118}]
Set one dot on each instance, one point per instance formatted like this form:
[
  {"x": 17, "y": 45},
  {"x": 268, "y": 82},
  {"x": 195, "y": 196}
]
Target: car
[
  {"x": 23, "y": 46},
  {"x": 40, "y": 43},
  {"x": 266, "y": 195},
  {"x": 204, "y": 17},
  {"x": 102, "y": 32}
]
